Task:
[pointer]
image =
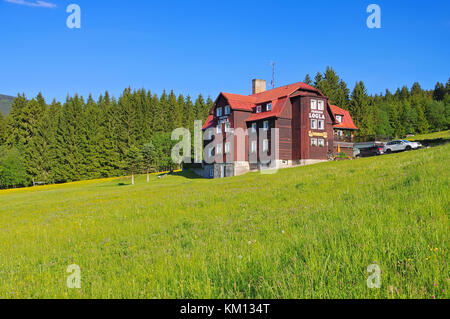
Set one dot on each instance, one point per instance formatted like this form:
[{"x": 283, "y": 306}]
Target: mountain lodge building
[{"x": 308, "y": 130}]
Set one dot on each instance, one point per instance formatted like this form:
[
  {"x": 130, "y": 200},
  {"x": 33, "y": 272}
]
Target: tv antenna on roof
[{"x": 273, "y": 63}]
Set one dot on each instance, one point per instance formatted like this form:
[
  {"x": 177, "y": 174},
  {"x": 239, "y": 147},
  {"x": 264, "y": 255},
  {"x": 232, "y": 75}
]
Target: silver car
[{"x": 401, "y": 145}]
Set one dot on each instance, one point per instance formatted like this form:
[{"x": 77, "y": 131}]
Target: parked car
[
  {"x": 366, "y": 149},
  {"x": 401, "y": 145}
]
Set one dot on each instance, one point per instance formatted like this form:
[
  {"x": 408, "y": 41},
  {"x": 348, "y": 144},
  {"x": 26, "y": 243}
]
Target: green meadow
[{"x": 305, "y": 232}]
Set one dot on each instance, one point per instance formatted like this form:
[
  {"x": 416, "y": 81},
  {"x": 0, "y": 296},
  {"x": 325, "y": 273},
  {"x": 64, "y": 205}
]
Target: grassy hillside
[
  {"x": 5, "y": 103},
  {"x": 307, "y": 232}
]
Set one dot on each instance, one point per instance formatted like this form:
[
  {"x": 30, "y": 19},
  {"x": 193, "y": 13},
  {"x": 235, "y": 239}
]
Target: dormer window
[
  {"x": 320, "y": 105},
  {"x": 339, "y": 118},
  {"x": 269, "y": 107},
  {"x": 219, "y": 111},
  {"x": 259, "y": 109},
  {"x": 227, "y": 110}
]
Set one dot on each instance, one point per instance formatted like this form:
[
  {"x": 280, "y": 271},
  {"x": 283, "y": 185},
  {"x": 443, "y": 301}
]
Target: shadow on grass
[
  {"x": 434, "y": 142},
  {"x": 187, "y": 173}
]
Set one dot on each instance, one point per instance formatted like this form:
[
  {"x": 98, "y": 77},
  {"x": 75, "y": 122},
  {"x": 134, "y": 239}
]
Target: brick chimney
[{"x": 258, "y": 86}]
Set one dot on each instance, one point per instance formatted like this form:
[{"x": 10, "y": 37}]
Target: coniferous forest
[{"x": 83, "y": 138}]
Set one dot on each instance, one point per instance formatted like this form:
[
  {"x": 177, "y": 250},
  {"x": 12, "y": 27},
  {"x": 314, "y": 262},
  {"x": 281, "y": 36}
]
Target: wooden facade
[{"x": 295, "y": 125}]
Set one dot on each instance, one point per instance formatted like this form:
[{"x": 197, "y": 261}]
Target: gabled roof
[
  {"x": 277, "y": 107},
  {"x": 347, "y": 121}
]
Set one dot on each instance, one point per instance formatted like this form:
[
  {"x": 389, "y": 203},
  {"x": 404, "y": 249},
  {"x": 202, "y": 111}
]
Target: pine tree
[
  {"x": 149, "y": 158},
  {"x": 361, "y": 111},
  {"x": 15, "y": 132},
  {"x": 439, "y": 92},
  {"x": 133, "y": 161},
  {"x": 308, "y": 79}
]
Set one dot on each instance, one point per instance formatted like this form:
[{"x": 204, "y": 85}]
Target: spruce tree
[{"x": 308, "y": 79}]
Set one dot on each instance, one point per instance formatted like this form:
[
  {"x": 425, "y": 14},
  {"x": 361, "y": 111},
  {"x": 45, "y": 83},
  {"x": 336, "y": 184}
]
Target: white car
[{"x": 401, "y": 145}]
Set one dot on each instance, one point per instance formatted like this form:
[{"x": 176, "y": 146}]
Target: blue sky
[{"x": 210, "y": 46}]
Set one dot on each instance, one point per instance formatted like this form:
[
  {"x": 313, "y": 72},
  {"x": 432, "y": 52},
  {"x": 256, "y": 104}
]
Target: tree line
[
  {"x": 406, "y": 111},
  {"x": 85, "y": 139}
]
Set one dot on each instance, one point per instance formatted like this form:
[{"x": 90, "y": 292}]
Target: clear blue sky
[{"x": 210, "y": 46}]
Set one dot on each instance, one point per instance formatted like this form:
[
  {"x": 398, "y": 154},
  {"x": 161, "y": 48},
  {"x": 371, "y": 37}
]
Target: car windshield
[{"x": 406, "y": 141}]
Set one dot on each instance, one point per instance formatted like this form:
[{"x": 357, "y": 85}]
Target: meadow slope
[{"x": 306, "y": 232}]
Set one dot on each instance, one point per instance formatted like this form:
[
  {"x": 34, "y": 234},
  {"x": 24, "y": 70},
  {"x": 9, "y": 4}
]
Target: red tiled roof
[
  {"x": 209, "y": 122},
  {"x": 347, "y": 121},
  {"x": 277, "y": 107}
]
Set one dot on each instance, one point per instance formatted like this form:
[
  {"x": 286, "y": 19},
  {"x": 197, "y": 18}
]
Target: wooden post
[{"x": 132, "y": 178}]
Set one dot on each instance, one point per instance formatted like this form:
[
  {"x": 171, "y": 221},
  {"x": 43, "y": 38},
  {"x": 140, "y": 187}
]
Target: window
[
  {"x": 253, "y": 147},
  {"x": 211, "y": 172},
  {"x": 266, "y": 125},
  {"x": 339, "y": 118},
  {"x": 265, "y": 145},
  {"x": 269, "y": 107},
  {"x": 219, "y": 129},
  {"x": 314, "y": 142},
  {"x": 321, "y": 105},
  {"x": 227, "y": 147},
  {"x": 321, "y": 124},
  {"x": 313, "y": 104},
  {"x": 227, "y": 127},
  {"x": 219, "y": 148},
  {"x": 258, "y": 109},
  {"x": 254, "y": 126},
  {"x": 208, "y": 134},
  {"x": 227, "y": 110},
  {"x": 219, "y": 111},
  {"x": 321, "y": 142},
  {"x": 313, "y": 124}
]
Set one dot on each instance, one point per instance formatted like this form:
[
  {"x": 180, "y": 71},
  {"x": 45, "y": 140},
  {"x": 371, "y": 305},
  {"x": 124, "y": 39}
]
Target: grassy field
[
  {"x": 306, "y": 232},
  {"x": 431, "y": 136}
]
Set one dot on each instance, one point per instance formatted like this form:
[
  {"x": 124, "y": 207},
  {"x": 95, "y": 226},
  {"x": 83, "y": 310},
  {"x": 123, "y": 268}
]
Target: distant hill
[{"x": 5, "y": 103}]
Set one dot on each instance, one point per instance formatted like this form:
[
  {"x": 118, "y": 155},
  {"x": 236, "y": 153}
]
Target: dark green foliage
[
  {"x": 84, "y": 139},
  {"x": 390, "y": 115},
  {"x": 12, "y": 168}
]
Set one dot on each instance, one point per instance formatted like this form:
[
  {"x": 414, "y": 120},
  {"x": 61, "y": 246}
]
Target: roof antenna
[{"x": 273, "y": 74}]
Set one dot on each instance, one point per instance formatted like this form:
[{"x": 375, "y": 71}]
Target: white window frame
[
  {"x": 314, "y": 142},
  {"x": 321, "y": 125},
  {"x": 227, "y": 127},
  {"x": 258, "y": 109},
  {"x": 269, "y": 107},
  {"x": 313, "y": 124},
  {"x": 253, "y": 146},
  {"x": 219, "y": 149},
  {"x": 339, "y": 118},
  {"x": 266, "y": 125},
  {"x": 313, "y": 104},
  {"x": 321, "y": 142},
  {"x": 254, "y": 127},
  {"x": 219, "y": 129},
  {"x": 227, "y": 147},
  {"x": 265, "y": 145},
  {"x": 321, "y": 105},
  {"x": 227, "y": 110},
  {"x": 219, "y": 112}
]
